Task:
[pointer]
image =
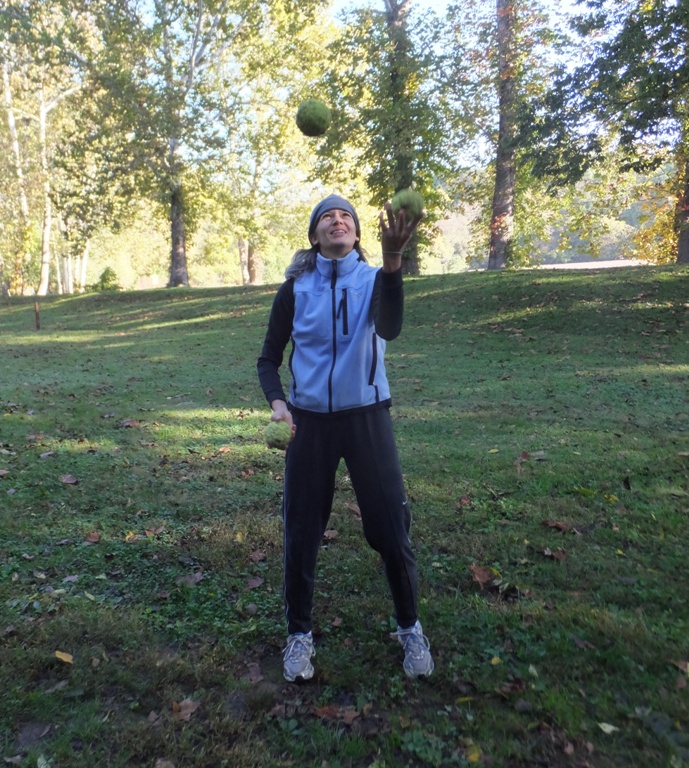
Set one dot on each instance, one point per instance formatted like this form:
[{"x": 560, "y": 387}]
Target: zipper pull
[{"x": 342, "y": 311}]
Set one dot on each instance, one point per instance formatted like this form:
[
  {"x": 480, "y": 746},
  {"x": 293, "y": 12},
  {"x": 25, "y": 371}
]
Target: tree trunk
[
  {"x": 502, "y": 218},
  {"x": 68, "y": 273},
  {"x": 178, "y": 255},
  {"x": 396, "y": 19},
  {"x": 244, "y": 260},
  {"x": 22, "y": 256},
  {"x": 58, "y": 276},
  {"x": 254, "y": 265},
  {"x": 410, "y": 258},
  {"x": 82, "y": 264},
  {"x": 47, "y": 202},
  {"x": 682, "y": 204}
]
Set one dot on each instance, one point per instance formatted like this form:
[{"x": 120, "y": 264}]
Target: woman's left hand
[{"x": 396, "y": 232}]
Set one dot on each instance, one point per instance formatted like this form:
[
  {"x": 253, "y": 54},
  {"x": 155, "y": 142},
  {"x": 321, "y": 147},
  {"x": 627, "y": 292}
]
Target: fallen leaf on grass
[
  {"x": 160, "y": 763},
  {"x": 482, "y": 575},
  {"x": 337, "y": 622},
  {"x": 46, "y": 454},
  {"x": 190, "y": 580},
  {"x": 472, "y": 752},
  {"x": 513, "y": 686},
  {"x": 683, "y": 665},
  {"x": 66, "y": 657},
  {"x": 584, "y": 645},
  {"x": 258, "y": 556},
  {"x": 154, "y": 531},
  {"x": 129, "y": 423},
  {"x": 331, "y": 712},
  {"x": 59, "y": 686},
  {"x": 349, "y": 716},
  {"x": 93, "y": 537},
  {"x": 255, "y": 582},
  {"x": 520, "y": 460},
  {"x": 556, "y": 524},
  {"x": 559, "y": 554},
  {"x": 279, "y": 710},
  {"x": 253, "y": 674},
  {"x": 330, "y": 534},
  {"x": 183, "y": 710},
  {"x": 4, "y": 472},
  {"x": 607, "y": 728},
  {"x": 68, "y": 479}
]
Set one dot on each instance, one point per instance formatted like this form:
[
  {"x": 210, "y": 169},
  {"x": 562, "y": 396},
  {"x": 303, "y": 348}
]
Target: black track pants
[{"x": 365, "y": 440}]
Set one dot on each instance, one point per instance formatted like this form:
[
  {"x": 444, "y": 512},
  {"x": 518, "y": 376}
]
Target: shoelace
[
  {"x": 298, "y": 647},
  {"x": 414, "y": 643}
]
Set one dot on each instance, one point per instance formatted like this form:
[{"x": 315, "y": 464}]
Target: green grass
[{"x": 520, "y": 399}]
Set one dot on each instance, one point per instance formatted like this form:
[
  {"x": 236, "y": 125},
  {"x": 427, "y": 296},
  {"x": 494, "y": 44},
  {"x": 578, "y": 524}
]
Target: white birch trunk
[
  {"x": 22, "y": 255},
  {"x": 58, "y": 276},
  {"x": 82, "y": 264},
  {"x": 243, "y": 248},
  {"x": 47, "y": 202}
]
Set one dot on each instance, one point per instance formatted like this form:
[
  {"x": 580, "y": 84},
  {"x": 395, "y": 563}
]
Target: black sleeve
[
  {"x": 277, "y": 336},
  {"x": 387, "y": 304}
]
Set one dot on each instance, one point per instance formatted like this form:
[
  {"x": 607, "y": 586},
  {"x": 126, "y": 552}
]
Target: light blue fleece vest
[{"x": 337, "y": 357}]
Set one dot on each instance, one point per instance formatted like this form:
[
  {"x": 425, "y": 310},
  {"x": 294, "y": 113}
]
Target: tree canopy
[{"x": 540, "y": 143}]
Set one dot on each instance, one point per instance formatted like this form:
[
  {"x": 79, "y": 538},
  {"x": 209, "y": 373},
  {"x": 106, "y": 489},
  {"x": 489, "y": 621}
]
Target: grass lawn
[{"x": 543, "y": 425}]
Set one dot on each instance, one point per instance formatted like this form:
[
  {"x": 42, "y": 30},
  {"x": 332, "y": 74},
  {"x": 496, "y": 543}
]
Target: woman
[{"x": 338, "y": 311}]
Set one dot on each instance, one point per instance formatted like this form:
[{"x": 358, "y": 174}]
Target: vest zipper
[
  {"x": 333, "y": 282},
  {"x": 342, "y": 310}
]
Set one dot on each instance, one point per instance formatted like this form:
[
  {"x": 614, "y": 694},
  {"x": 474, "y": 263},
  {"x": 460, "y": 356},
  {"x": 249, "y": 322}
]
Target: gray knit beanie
[{"x": 331, "y": 202}]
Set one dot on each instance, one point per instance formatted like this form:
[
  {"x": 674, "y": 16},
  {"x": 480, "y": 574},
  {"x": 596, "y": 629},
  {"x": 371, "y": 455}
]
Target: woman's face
[{"x": 335, "y": 234}]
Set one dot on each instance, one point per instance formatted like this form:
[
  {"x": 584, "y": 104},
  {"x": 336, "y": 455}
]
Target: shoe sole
[
  {"x": 420, "y": 674},
  {"x": 307, "y": 675},
  {"x": 298, "y": 678}
]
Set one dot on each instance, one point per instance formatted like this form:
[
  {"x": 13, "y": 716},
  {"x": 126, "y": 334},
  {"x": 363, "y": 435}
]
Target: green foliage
[
  {"x": 631, "y": 89},
  {"x": 502, "y": 60},
  {"x": 392, "y": 123},
  {"x": 106, "y": 282},
  {"x": 632, "y": 85}
]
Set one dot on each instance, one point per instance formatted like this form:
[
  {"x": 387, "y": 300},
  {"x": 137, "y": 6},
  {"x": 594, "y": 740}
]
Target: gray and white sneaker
[
  {"x": 297, "y": 657},
  {"x": 418, "y": 661}
]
